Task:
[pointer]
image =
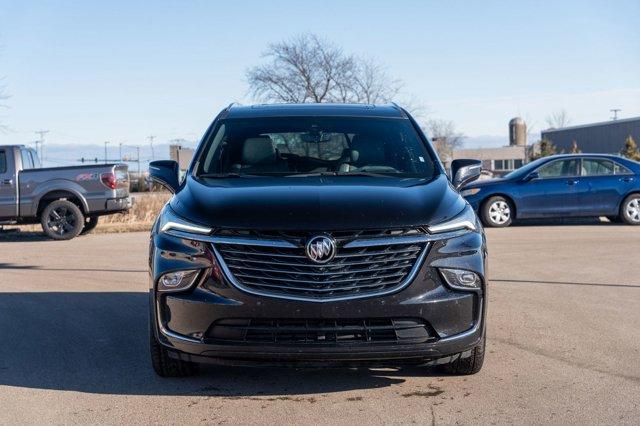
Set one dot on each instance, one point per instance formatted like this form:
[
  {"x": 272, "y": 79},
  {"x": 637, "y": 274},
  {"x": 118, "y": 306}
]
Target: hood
[
  {"x": 483, "y": 183},
  {"x": 316, "y": 203}
]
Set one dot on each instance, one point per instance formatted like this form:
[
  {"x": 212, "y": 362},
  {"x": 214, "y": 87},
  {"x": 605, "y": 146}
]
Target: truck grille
[
  {"x": 321, "y": 331},
  {"x": 376, "y": 266}
]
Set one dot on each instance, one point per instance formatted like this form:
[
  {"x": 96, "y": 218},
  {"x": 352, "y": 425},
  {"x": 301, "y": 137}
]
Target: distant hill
[{"x": 67, "y": 155}]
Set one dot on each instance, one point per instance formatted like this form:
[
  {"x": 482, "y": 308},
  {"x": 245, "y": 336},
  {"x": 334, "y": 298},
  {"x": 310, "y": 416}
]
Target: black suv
[{"x": 317, "y": 234}]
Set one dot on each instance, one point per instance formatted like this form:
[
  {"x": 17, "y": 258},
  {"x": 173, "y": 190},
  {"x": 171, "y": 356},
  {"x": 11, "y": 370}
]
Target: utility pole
[
  {"x": 120, "y": 152},
  {"x": 615, "y": 112},
  {"x": 138, "y": 153},
  {"x": 105, "y": 151},
  {"x": 41, "y": 142},
  {"x": 150, "y": 138}
]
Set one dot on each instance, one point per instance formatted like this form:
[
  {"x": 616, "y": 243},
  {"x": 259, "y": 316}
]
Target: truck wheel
[
  {"x": 497, "y": 212},
  {"x": 62, "y": 220},
  {"x": 630, "y": 210},
  {"x": 90, "y": 224},
  {"x": 470, "y": 364},
  {"x": 164, "y": 365}
]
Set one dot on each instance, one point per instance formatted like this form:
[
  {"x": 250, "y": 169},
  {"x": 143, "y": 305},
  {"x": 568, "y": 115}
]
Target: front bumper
[{"x": 182, "y": 321}]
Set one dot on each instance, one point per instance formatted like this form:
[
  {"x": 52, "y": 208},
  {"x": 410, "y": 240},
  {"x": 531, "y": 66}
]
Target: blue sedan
[{"x": 572, "y": 185}]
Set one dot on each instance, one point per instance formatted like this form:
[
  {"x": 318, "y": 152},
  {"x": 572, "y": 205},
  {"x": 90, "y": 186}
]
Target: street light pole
[{"x": 105, "y": 151}]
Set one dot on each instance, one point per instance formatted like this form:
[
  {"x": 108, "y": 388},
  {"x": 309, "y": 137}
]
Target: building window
[
  {"x": 517, "y": 163},
  {"x": 498, "y": 164}
]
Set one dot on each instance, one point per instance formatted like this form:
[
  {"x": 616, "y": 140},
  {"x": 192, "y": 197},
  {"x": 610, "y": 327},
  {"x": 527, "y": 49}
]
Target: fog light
[
  {"x": 178, "y": 280},
  {"x": 461, "y": 279}
]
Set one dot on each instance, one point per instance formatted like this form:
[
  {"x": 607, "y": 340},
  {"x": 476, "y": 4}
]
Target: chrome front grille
[{"x": 364, "y": 265}]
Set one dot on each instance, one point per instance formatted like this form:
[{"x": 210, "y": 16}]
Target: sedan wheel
[
  {"x": 497, "y": 212},
  {"x": 630, "y": 213}
]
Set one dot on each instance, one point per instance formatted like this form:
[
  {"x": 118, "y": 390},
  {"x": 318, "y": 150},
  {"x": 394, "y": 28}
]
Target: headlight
[
  {"x": 467, "y": 192},
  {"x": 170, "y": 221},
  {"x": 177, "y": 280},
  {"x": 461, "y": 279},
  {"x": 465, "y": 220}
]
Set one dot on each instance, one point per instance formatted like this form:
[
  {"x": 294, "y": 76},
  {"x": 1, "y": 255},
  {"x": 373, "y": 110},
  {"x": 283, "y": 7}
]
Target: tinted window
[
  {"x": 27, "y": 161},
  {"x": 559, "y": 168},
  {"x": 36, "y": 159},
  {"x": 3, "y": 162},
  {"x": 619, "y": 169},
  {"x": 289, "y": 146},
  {"x": 596, "y": 167}
]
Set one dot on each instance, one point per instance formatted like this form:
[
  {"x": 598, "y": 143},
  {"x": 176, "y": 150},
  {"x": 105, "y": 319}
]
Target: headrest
[
  {"x": 258, "y": 150},
  {"x": 370, "y": 150}
]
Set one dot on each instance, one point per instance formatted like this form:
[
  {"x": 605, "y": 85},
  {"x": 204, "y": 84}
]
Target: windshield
[
  {"x": 299, "y": 146},
  {"x": 526, "y": 168}
]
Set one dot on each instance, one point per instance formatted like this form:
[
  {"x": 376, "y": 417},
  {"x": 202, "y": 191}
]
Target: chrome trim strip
[
  {"x": 469, "y": 332},
  {"x": 232, "y": 240},
  {"x": 385, "y": 241},
  {"x": 410, "y": 277},
  {"x": 365, "y": 242},
  {"x": 169, "y": 333}
]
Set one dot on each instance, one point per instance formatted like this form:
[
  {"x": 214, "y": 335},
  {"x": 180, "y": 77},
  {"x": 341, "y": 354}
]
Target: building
[
  {"x": 607, "y": 137},
  {"x": 502, "y": 160}
]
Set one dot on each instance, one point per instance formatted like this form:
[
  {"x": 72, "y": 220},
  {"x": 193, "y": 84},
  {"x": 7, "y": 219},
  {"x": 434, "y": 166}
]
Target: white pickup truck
[{"x": 67, "y": 201}]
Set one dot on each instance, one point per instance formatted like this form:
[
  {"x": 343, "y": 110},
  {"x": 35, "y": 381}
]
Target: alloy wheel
[
  {"x": 499, "y": 212},
  {"x": 61, "y": 220},
  {"x": 633, "y": 209}
]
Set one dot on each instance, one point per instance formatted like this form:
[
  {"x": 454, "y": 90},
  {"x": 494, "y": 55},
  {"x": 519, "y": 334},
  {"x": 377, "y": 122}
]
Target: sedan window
[
  {"x": 621, "y": 170},
  {"x": 560, "y": 168},
  {"x": 3, "y": 162},
  {"x": 597, "y": 167}
]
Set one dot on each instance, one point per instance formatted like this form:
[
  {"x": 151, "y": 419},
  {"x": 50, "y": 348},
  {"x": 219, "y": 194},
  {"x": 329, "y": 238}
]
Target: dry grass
[{"x": 146, "y": 207}]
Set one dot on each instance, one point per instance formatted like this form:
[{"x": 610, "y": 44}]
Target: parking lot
[{"x": 564, "y": 343}]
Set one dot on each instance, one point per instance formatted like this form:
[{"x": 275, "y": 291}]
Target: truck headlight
[
  {"x": 177, "y": 280},
  {"x": 170, "y": 221},
  {"x": 465, "y": 220},
  {"x": 461, "y": 279}
]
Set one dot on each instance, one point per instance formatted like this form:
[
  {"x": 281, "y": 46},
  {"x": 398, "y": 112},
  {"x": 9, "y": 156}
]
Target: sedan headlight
[
  {"x": 471, "y": 191},
  {"x": 170, "y": 221},
  {"x": 466, "y": 220}
]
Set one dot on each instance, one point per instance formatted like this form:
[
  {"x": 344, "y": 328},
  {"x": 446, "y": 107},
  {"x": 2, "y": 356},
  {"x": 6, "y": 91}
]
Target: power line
[{"x": 41, "y": 142}]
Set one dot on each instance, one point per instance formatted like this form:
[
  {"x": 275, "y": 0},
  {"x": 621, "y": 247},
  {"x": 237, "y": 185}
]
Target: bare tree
[
  {"x": 308, "y": 68},
  {"x": 445, "y": 137},
  {"x": 558, "y": 119}
]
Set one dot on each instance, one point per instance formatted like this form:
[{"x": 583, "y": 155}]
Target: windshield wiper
[
  {"x": 224, "y": 175},
  {"x": 370, "y": 174},
  {"x": 315, "y": 174},
  {"x": 319, "y": 174}
]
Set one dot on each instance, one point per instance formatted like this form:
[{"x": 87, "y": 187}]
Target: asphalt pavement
[{"x": 563, "y": 344}]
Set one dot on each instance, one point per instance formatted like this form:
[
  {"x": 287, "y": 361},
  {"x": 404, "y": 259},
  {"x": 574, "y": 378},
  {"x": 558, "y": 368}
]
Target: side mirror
[
  {"x": 532, "y": 176},
  {"x": 166, "y": 173},
  {"x": 465, "y": 171}
]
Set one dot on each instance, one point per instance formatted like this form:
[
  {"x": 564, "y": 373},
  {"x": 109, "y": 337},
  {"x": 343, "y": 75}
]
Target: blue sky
[{"x": 92, "y": 71}]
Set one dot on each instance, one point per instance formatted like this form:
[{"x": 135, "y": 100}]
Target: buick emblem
[{"x": 321, "y": 249}]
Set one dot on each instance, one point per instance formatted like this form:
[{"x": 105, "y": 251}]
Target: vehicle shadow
[
  {"x": 15, "y": 235},
  {"x": 97, "y": 343}
]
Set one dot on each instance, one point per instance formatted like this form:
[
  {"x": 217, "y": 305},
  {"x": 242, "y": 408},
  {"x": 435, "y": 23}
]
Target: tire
[
  {"x": 630, "y": 210},
  {"x": 62, "y": 220},
  {"x": 497, "y": 212},
  {"x": 471, "y": 364},
  {"x": 90, "y": 224},
  {"x": 164, "y": 365}
]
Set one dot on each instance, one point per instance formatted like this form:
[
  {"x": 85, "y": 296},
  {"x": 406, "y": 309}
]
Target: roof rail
[
  {"x": 399, "y": 108},
  {"x": 225, "y": 111}
]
